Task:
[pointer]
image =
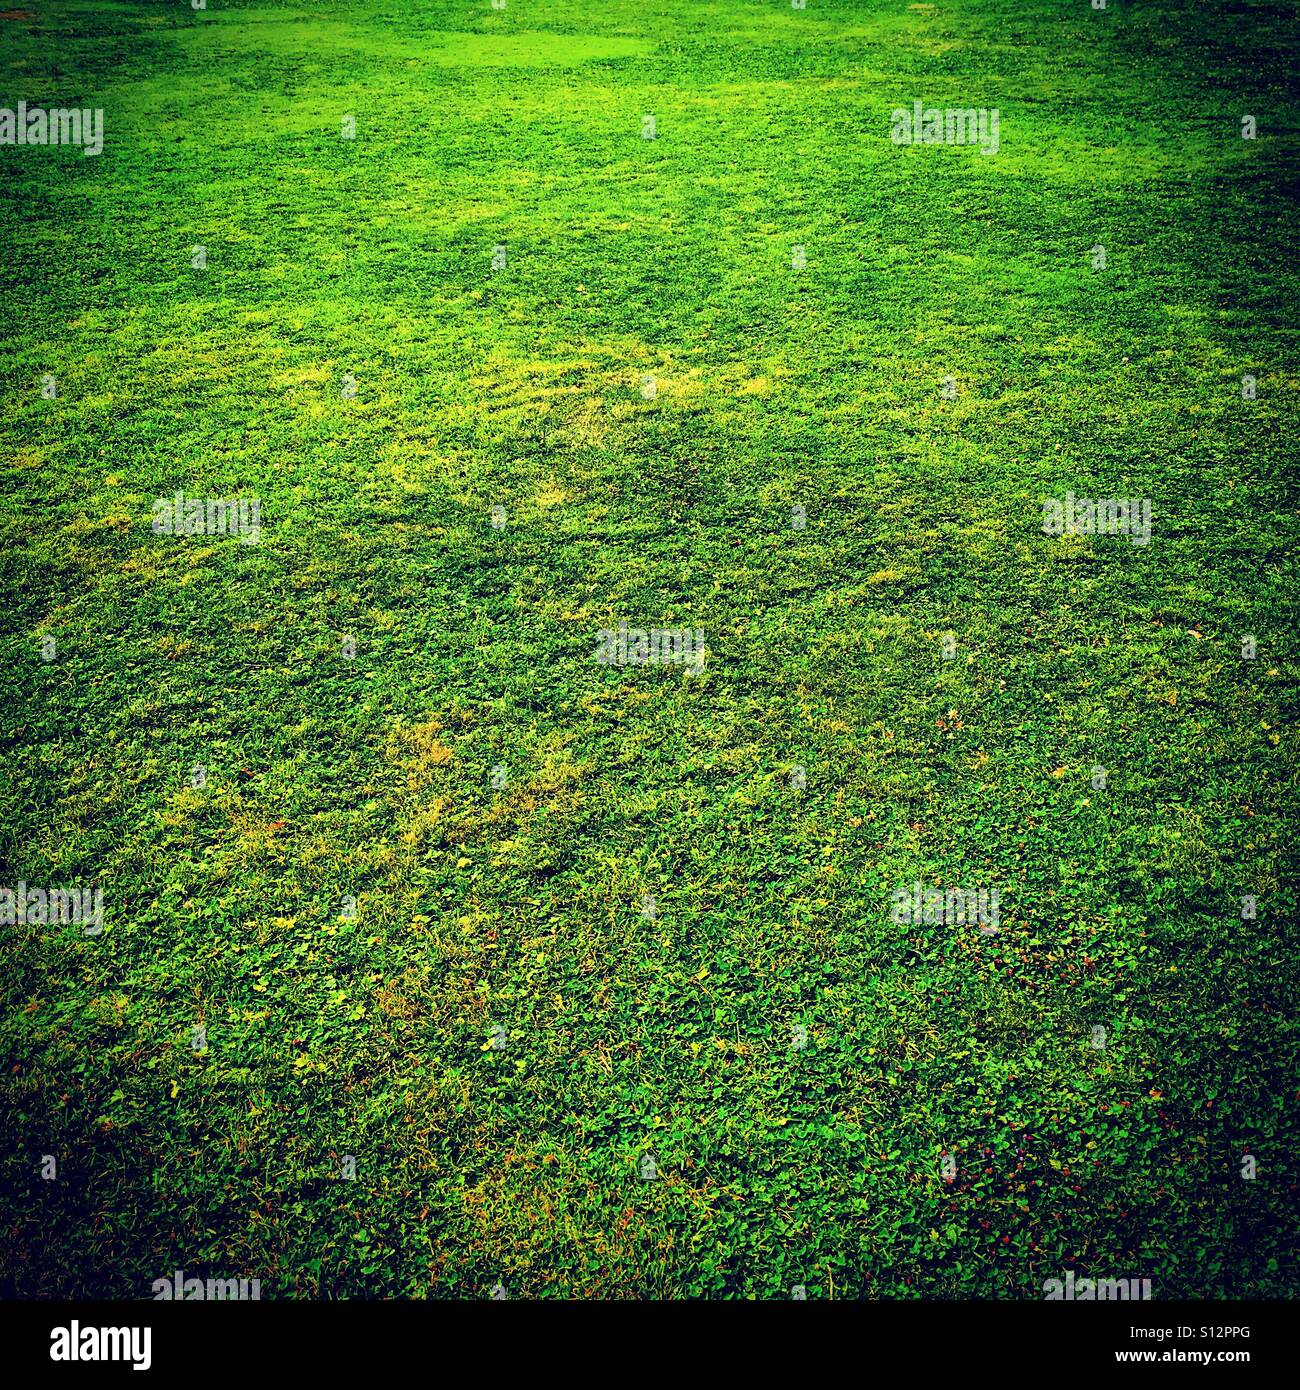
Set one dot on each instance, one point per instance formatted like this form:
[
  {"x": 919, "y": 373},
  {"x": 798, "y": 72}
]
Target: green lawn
[{"x": 608, "y": 913}]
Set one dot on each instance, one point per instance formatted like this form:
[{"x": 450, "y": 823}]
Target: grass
[{"x": 514, "y": 900}]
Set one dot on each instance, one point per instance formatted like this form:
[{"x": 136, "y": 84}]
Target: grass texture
[{"x": 605, "y": 913}]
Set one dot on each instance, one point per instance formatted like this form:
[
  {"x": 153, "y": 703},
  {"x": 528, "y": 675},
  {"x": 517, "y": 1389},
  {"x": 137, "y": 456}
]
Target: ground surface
[{"x": 522, "y": 907}]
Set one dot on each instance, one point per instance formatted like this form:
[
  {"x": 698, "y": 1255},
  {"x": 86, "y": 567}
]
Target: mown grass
[{"x": 520, "y": 907}]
